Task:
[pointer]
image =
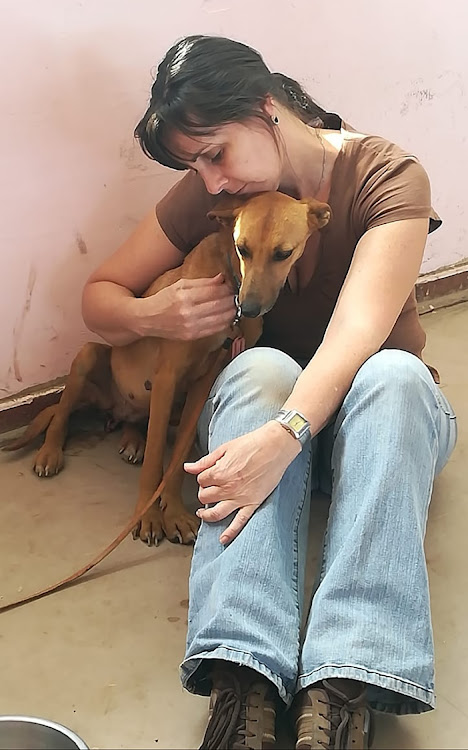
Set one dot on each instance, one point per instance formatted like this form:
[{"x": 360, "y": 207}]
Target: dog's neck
[{"x": 231, "y": 261}]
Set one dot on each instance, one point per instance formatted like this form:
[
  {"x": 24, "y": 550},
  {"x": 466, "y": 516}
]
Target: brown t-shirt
[{"x": 373, "y": 182}]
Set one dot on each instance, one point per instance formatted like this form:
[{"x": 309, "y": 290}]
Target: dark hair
[{"x": 207, "y": 81}]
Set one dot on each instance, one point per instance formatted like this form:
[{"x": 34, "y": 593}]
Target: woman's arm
[
  {"x": 383, "y": 272},
  {"x": 109, "y": 303},
  {"x": 187, "y": 309}
]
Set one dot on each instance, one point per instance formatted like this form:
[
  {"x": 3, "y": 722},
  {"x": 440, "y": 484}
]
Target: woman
[{"x": 341, "y": 349}]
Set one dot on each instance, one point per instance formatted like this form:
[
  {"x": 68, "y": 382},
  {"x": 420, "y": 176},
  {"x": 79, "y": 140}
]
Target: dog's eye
[
  {"x": 281, "y": 254},
  {"x": 243, "y": 252}
]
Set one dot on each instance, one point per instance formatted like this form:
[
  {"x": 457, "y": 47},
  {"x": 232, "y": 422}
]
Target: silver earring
[{"x": 275, "y": 119}]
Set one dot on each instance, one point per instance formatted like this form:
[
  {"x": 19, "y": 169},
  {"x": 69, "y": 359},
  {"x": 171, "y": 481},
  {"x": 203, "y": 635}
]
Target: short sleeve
[
  {"x": 396, "y": 190},
  {"x": 182, "y": 213}
]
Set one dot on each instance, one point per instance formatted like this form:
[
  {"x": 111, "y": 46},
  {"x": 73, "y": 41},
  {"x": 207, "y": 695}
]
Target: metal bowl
[{"x": 30, "y": 733}]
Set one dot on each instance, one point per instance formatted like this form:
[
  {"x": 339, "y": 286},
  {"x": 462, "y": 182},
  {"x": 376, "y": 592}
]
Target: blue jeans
[{"x": 370, "y": 614}]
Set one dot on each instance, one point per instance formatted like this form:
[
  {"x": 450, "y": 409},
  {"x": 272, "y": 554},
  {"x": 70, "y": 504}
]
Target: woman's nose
[{"x": 214, "y": 180}]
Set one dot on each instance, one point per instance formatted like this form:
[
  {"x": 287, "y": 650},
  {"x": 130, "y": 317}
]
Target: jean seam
[
  {"x": 369, "y": 671},
  {"x": 446, "y": 408},
  {"x": 296, "y": 555},
  {"x": 324, "y": 554},
  {"x": 243, "y": 658},
  {"x": 325, "y": 544},
  {"x": 212, "y": 407},
  {"x": 413, "y": 698}
]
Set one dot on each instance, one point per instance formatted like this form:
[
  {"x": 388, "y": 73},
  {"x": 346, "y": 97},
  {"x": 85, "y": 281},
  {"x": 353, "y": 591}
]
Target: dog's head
[{"x": 270, "y": 231}]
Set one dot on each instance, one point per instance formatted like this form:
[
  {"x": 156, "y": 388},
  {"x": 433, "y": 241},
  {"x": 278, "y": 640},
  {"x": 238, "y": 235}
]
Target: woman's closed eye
[{"x": 216, "y": 158}]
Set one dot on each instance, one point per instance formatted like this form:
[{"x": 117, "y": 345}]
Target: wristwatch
[{"x": 295, "y": 423}]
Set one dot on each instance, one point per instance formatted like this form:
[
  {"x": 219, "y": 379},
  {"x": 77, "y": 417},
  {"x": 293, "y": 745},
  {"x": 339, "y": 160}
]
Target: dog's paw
[
  {"x": 179, "y": 525},
  {"x": 132, "y": 446},
  {"x": 48, "y": 461},
  {"x": 150, "y": 529}
]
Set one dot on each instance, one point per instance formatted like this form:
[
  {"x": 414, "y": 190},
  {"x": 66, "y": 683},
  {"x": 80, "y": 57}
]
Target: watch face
[{"x": 297, "y": 422}]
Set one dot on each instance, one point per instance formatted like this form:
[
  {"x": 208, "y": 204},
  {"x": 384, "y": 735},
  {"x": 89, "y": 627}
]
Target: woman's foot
[
  {"x": 242, "y": 710},
  {"x": 332, "y": 715}
]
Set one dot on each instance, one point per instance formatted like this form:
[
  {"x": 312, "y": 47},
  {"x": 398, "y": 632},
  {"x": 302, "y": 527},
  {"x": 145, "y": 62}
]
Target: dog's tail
[{"x": 39, "y": 424}]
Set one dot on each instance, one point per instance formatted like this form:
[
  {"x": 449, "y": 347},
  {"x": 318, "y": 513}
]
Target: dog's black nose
[{"x": 251, "y": 309}]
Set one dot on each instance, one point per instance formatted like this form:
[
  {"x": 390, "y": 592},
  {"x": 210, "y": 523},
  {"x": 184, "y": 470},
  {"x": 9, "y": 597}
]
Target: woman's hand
[
  {"x": 188, "y": 309},
  {"x": 240, "y": 474}
]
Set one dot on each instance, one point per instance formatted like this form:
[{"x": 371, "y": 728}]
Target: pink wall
[{"x": 76, "y": 77}]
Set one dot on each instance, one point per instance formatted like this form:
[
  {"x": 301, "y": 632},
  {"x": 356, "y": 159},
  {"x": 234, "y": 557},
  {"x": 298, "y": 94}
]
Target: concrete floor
[{"x": 102, "y": 656}]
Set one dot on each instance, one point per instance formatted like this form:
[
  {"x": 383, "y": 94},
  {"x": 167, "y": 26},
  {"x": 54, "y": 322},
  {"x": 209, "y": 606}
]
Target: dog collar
[{"x": 237, "y": 285}]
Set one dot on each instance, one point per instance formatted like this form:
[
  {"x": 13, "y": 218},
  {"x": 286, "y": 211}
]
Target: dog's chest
[
  {"x": 135, "y": 372},
  {"x": 132, "y": 405},
  {"x": 132, "y": 376}
]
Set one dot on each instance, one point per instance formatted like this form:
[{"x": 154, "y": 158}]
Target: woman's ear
[{"x": 269, "y": 106}]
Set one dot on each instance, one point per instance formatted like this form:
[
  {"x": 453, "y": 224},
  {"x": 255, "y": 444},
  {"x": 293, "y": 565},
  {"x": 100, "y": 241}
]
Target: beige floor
[{"x": 102, "y": 656}]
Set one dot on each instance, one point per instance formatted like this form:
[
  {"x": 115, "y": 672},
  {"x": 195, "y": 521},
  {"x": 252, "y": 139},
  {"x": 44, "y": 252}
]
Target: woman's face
[{"x": 236, "y": 158}]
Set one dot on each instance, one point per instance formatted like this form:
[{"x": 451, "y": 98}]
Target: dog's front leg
[
  {"x": 178, "y": 523},
  {"x": 150, "y": 528}
]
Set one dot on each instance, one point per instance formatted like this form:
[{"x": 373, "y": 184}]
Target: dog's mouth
[
  {"x": 267, "y": 309},
  {"x": 253, "y": 310},
  {"x": 253, "y": 306}
]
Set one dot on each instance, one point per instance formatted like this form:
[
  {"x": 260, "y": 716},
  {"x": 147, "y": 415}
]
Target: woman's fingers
[
  {"x": 205, "y": 462},
  {"x": 221, "y": 510},
  {"x": 212, "y": 494},
  {"x": 237, "y": 524}
]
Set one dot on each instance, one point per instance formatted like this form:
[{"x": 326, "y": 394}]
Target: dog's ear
[
  {"x": 225, "y": 216},
  {"x": 227, "y": 209},
  {"x": 318, "y": 214}
]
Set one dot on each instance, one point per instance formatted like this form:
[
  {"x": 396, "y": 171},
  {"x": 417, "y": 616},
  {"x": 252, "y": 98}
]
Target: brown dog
[{"x": 146, "y": 377}]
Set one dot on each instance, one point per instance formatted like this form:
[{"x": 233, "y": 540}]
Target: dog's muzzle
[{"x": 251, "y": 309}]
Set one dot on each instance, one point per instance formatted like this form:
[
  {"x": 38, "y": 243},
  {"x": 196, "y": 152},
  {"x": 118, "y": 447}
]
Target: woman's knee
[
  {"x": 393, "y": 394},
  {"x": 262, "y": 372},
  {"x": 392, "y": 368}
]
